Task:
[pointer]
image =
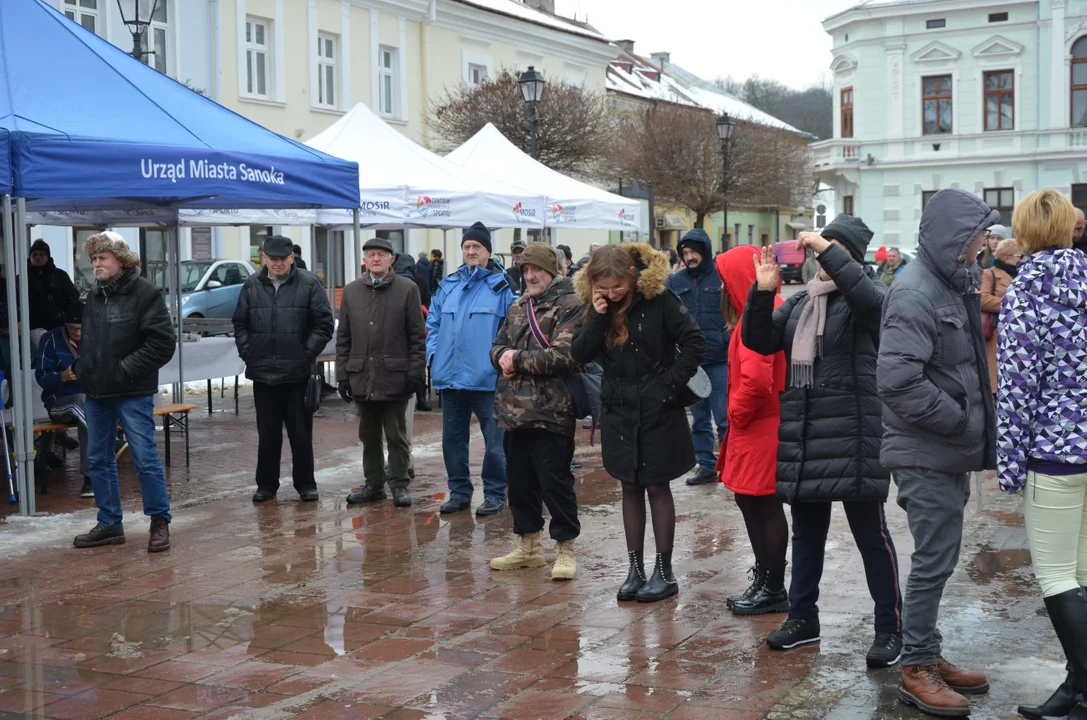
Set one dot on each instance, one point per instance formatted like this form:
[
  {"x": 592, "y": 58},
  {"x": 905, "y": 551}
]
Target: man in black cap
[
  {"x": 49, "y": 289},
  {"x": 281, "y": 324},
  {"x": 298, "y": 261},
  {"x": 380, "y": 365},
  {"x": 517, "y": 282}
]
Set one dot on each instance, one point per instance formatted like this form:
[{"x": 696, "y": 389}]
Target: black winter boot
[
  {"x": 662, "y": 584},
  {"x": 1062, "y": 701},
  {"x": 1068, "y": 613},
  {"x": 758, "y": 579},
  {"x": 763, "y": 602},
  {"x": 635, "y": 577}
]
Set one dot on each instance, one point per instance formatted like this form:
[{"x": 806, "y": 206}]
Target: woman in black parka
[
  {"x": 636, "y": 326},
  {"x": 831, "y": 425}
]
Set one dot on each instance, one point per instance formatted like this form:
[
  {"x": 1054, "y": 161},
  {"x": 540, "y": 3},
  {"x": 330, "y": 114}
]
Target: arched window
[{"x": 1079, "y": 83}]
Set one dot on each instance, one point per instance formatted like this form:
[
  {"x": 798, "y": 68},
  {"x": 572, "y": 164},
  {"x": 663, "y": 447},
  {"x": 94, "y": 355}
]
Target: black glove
[
  {"x": 416, "y": 385},
  {"x": 344, "y": 388}
]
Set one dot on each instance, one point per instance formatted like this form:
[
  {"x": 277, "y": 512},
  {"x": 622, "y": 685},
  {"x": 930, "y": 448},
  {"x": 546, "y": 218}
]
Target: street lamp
[
  {"x": 532, "y": 87},
  {"x": 725, "y": 126},
  {"x": 138, "y": 27}
]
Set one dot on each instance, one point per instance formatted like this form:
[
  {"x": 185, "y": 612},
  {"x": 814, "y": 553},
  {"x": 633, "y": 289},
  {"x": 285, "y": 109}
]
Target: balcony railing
[{"x": 832, "y": 152}]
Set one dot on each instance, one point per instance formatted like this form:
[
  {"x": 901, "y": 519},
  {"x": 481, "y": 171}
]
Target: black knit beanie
[{"x": 479, "y": 233}]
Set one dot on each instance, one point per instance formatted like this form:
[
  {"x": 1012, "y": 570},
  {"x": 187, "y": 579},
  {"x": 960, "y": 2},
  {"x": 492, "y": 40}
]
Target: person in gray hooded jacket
[{"x": 939, "y": 426}]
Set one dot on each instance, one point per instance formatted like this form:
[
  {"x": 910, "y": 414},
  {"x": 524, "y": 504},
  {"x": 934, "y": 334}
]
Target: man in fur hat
[{"x": 127, "y": 338}]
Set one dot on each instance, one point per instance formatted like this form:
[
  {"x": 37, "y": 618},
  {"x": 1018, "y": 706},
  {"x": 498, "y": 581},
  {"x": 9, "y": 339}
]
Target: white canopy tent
[{"x": 570, "y": 203}]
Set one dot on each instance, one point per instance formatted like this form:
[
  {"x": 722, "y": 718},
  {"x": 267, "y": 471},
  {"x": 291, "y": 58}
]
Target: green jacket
[{"x": 537, "y": 396}]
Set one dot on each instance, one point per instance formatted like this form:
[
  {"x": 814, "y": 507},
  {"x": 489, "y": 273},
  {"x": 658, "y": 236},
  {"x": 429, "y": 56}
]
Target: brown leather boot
[
  {"x": 967, "y": 682},
  {"x": 159, "y": 539},
  {"x": 922, "y": 687}
]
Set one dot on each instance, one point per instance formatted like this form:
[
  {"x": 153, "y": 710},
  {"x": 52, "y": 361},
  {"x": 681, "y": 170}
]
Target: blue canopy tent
[{"x": 86, "y": 128}]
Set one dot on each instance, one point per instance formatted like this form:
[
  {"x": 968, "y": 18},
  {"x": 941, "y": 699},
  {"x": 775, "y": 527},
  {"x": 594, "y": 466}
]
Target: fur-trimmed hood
[{"x": 652, "y": 266}]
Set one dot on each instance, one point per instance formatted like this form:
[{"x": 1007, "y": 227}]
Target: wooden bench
[{"x": 173, "y": 415}]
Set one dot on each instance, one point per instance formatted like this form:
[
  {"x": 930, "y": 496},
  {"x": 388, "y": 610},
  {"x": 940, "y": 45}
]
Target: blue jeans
[
  {"x": 705, "y": 414},
  {"x": 457, "y": 409},
  {"x": 136, "y": 415}
]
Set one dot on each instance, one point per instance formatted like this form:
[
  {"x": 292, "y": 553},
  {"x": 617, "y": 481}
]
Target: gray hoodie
[{"x": 932, "y": 374}]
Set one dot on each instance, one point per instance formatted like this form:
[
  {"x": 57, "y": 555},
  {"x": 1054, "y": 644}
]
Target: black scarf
[{"x": 1006, "y": 267}]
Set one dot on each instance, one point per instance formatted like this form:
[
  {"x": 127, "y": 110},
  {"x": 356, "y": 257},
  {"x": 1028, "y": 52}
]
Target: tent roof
[
  {"x": 404, "y": 184},
  {"x": 571, "y": 203},
  {"x": 89, "y": 127}
]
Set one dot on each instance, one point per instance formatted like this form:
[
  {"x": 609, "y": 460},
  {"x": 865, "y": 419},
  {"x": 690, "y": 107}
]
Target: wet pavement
[{"x": 291, "y": 609}]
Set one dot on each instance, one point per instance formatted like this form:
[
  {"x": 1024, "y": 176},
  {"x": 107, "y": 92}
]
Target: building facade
[{"x": 933, "y": 94}]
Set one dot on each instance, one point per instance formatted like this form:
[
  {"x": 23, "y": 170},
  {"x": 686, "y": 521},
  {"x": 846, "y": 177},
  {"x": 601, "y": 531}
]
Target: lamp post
[
  {"x": 138, "y": 27},
  {"x": 725, "y": 126},
  {"x": 532, "y": 87}
]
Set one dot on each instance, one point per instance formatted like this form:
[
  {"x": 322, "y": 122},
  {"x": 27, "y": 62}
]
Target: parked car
[
  {"x": 790, "y": 259},
  {"x": 210, "y": 288}
]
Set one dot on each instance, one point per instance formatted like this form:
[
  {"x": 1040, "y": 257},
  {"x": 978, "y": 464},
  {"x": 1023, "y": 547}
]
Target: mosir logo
[
  {"x": 563, "y": 213},
  {"x": 371, "y": 208},
  {"x": 523, "y": 214},
  {"x": 428, "y": 206}
]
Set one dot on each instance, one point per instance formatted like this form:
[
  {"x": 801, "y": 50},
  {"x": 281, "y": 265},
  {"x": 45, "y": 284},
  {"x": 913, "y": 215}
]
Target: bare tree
[{"x": 575, "y": 124}]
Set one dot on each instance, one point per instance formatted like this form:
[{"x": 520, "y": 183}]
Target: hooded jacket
[
  {"x": 538, "y": 396},
  {"x": 938, "y": 409},
  {"x": 830, "y": 433},
  {"x": 644, "y": 430},
  {"x": 1042, "y": 357},
  {"x": 279, "y": 334},
  {"x": 127, "y": 337},
  {"x": 49, "y": 291},
  {"x": 55, "y": 355},
  {"x": 755, "y": 382},
  {"x": 465, "y": 314},
  {"x": 405, "y": 267},
  {"x": 700, "y": 290}
]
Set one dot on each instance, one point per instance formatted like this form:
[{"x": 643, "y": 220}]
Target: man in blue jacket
[
  {"x": 465, "y": 314},
  {"x": 699, "y": 286}
]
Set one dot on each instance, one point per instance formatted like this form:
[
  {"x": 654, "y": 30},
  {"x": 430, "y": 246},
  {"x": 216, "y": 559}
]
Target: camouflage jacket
[{"x": 537, "y": 396}]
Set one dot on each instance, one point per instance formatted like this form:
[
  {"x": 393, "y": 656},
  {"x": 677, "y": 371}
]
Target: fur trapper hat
[{"x": 110, "y": 241}]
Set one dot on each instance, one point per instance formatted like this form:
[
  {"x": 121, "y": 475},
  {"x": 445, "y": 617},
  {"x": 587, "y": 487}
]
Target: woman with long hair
[
  {"x": 650, "y": 347},
  {"x": 1041, "y": 441},
  {"x": 994, "y": 283},
  {"x": 747, "y": 463},
  {"x": 987, "y": 256}
]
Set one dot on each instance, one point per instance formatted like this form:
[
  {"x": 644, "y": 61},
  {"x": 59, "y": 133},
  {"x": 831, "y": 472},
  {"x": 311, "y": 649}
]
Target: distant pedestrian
[
  {"x": 1077, "y": 232},
  {"x": 517, "y": 281},
  {"x": 1043, "y": 385},
  {"x": 994, "y": 284},
  {"x": 281, "y": 324},
  {"x": 424, "y": 269},
  {"x": 997, "y": 234},
  {"x": 567, "y": 258},
  {"x": 755, "y": 384},
  {"x": 380, "y": 365},
  {"x": 831, "y": 425},
  {"x": 465, "y": 315},
  {"x": 637, "y": 326},
  {"x": 127, "y": 336},
  {"x": 938, "y": 427},
  {"x": 699, "y": 287},
  {"x": 893, "y": 267},
  {"x": 298, "y": 261},
  {"x": 437, "y": 271},
  {"x": 404, "y": 266},
  {"x": 49, "y": 289},
  {"x": 535, "y": 409}
]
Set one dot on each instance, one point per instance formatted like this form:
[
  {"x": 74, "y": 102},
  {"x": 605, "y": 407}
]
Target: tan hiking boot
[
  {"x": 565, "y": 563},
  {"x": 922, "y": 687},
  {"x": 529, "y": 554}
]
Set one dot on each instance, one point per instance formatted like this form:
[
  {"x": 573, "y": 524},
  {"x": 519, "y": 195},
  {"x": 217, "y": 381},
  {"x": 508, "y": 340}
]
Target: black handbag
[{"x": 315, "y": 383}]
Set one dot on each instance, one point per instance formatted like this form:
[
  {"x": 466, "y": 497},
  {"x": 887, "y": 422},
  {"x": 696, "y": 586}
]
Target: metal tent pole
[
  {"x": 22, "y": 256},
  {"x": 175, "y": 255},
  {"x": 355, "y": 264},
  {"x": 330, "y": 265},
  {"x": 15, "y": 380}
]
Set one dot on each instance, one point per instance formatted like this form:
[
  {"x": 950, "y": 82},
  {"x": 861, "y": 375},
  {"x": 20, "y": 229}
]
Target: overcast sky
[{"x": 781, "y": 39}]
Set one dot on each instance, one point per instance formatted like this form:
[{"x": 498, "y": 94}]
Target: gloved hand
[
  {"x": 416, "y": 385},
  {"x": 344, "y": 388}
]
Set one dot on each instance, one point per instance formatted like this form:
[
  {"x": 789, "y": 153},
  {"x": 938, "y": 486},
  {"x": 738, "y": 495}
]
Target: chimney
[
  {"x": 662, "y": 58},
  {"x": 626, "y": 45},
  {"x": 547, "y": 6}
]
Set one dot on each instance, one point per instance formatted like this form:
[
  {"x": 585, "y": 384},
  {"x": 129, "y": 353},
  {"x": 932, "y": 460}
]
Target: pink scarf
[{"x": 808, "y": 338}]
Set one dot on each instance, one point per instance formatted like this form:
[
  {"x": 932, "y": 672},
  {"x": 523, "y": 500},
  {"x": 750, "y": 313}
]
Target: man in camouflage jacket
[{"x": 534, "y": 407}]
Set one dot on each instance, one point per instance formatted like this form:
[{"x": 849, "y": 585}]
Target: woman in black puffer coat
[{"x": 831, "y": 425}]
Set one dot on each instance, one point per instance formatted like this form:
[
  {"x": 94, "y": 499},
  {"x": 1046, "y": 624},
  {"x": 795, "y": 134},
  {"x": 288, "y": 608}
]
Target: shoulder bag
[{"x": 314, "y": 385}]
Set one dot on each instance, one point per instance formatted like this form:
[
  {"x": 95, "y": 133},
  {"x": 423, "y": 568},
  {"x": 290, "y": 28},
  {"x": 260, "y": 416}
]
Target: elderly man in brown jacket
[{"x": 380, "y": 364}]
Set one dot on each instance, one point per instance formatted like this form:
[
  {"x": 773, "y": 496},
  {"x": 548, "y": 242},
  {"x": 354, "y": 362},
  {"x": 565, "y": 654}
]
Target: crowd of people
[{"x": 970, "y": 357}]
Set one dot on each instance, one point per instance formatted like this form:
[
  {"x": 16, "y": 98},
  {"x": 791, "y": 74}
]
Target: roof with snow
[
  {"x": 515, "y": 9},
  {"x": 634, "y": 75}
]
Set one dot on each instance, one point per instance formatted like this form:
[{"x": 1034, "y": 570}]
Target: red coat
[{"x": 748, "y": 462}]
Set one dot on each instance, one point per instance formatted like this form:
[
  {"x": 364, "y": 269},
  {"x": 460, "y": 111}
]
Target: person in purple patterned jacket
[{"x": 1042, "y": 423}]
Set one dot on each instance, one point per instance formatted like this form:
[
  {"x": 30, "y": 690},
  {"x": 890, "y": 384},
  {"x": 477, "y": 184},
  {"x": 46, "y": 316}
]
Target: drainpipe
[{"x": 424, "y": 62}]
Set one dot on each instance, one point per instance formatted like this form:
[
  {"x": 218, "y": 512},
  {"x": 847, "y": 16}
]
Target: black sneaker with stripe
[{"x": 794, "y": 633}]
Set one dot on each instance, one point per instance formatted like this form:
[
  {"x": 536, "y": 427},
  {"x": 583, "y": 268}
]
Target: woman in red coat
[{"x": 749, "y": 463}]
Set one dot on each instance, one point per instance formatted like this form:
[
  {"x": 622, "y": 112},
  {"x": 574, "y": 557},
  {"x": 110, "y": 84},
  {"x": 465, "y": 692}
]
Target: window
[
  {"x": 736, "y": 233},
  {"x": 998, "y": 17},
  {"x": 157, "y": 33},
  {"x": 395, "y": 238},
  {"x": 84, "y": 12},
  {"x": 1000, "y": 100},
  {"x": 935, "y": 24},
  {"x": 847, "y": 204},
  {"x": 257, "y": 34},
  {"x": 230, "y": 274},
  {"x": 936, "y": 99},
  {"x": 1079, "y": 195},
  {"x": 750, "y": 234},
  {"x": 927, "y": 195},
  {"x": 326, "y": 70},
  {"x": 1079, "y": 83},
  {"x": 1003, "y": 201},
  {"x": 847, "y": 112},
  {"x": 322, "y": 264},
  {"x": 387, "y": 82},
  {"x": 477, "y": 74},
  {"x": 83, "y": 277}
]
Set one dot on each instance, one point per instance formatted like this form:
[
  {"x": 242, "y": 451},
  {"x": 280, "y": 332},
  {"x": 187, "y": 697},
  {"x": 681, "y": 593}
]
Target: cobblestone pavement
[{"x": 327, "y": 611}]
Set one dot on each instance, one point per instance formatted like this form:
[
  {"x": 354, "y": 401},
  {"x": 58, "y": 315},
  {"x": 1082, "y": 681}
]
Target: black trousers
[
  {"x": 537, "y": 474},
  {"x": 388, "y": 417},
  {"x": 868, "y": 522},
  {"x": 278, "y": 406}
]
